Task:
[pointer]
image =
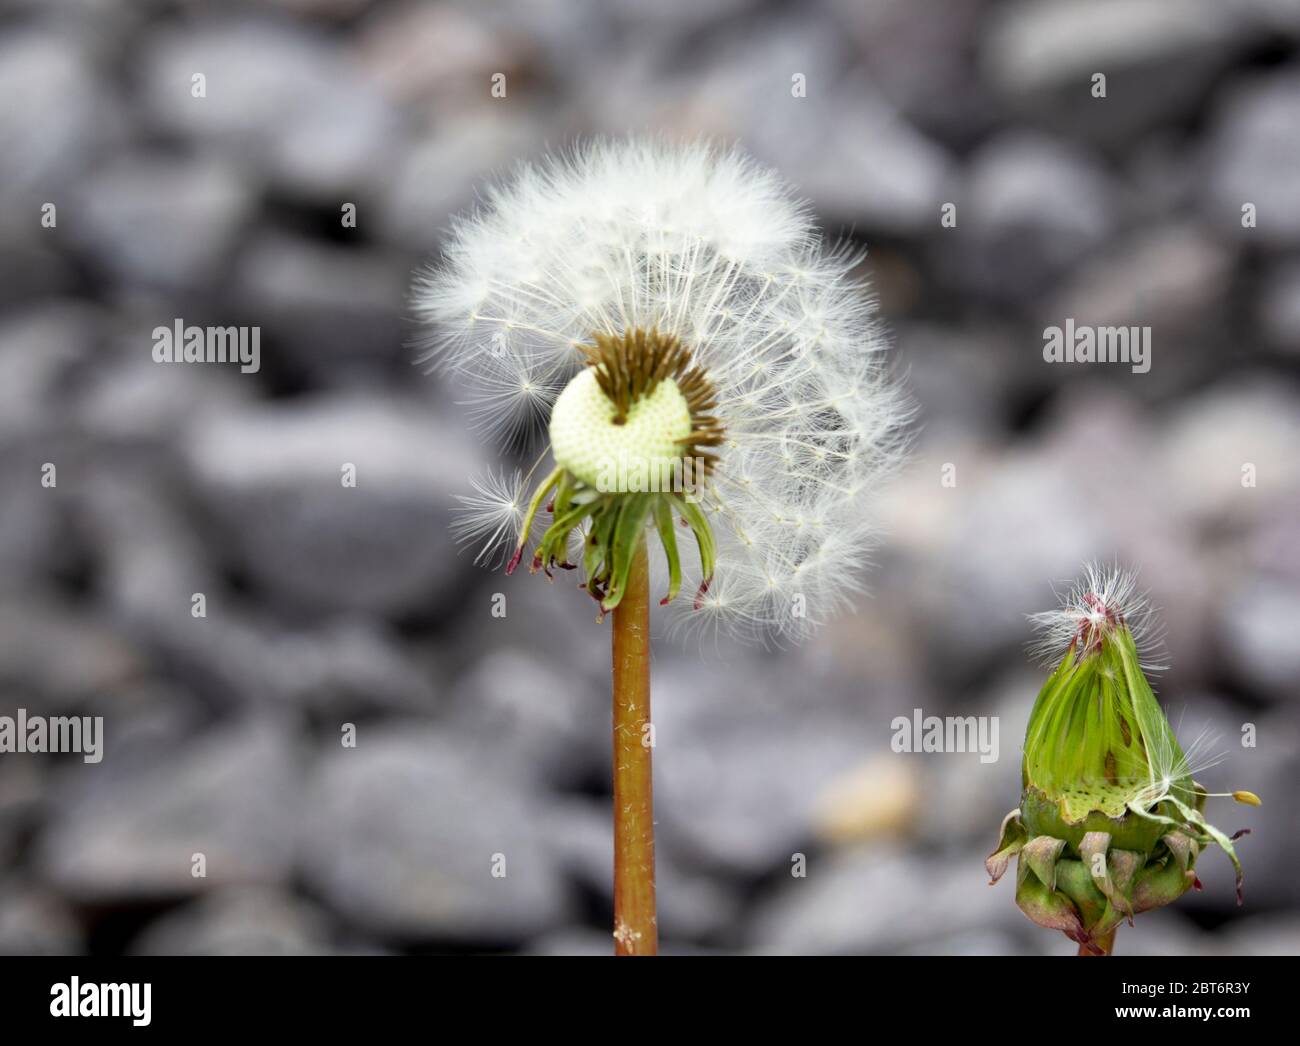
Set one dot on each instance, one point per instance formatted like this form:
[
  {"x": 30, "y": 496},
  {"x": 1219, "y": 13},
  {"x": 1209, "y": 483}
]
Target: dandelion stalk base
[{"x": 1103, "y": 945}]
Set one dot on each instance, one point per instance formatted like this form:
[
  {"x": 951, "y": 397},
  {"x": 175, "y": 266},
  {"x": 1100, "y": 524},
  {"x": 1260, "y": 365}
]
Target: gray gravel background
[{"x": 479, "y": 735}]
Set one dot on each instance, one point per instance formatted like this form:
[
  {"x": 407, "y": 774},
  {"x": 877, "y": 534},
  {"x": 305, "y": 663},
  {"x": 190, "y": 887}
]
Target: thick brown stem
[
  {"x": 1106, "y": 942},
  {"x": 636, "y": 930}
]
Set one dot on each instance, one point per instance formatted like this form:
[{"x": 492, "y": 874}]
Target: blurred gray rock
[
  {"x": 965, "y": 798},
  {"x": 438, "y": 175},
  {"x": 1158, "y": 57},
  {"x": 573, "y": 942},
  {"x": 134, "y": 401},
  {"x": 1034, "y": 45},
  {"x": 59, "y": 656},
  {"x": 1252, "y": 155},
  {"x": 161, "y": 221},
  {"x": 402, "y": 833},
  {"x": 128, "y": 831},
  {"x": 40, "y": 349},
  {"x": 1279, "y": 307},
  {"x": 1028, "y": 210},
  {"x": 58, "y": 112},
  {"x": 720, "y": 730},
  {"x": 1261, "y": 935},
  {"x": 273, "y": 476},
  {"x": 1214, "y": 440},
  {"x": 34, "y": 921},
  {"x": 335, "y": 310},
  {"x": 32, "y": 525},
  {"x": 873, "y": 900},
  {"x": 922, "y": 54},
  {"x": 1174, "y": 279},
  {"x": 287, "y": 99},
  {"x": 238, "y": 921},
  {"x": 1257, "y": 623},
  {"x": 443, "y": 57},
  {"x": 549, "y": 722},
  {"x": 24, "y": 789}
]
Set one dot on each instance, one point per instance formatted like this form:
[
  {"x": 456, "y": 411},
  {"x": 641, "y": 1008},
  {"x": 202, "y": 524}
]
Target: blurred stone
[
  {"x": 131, "y": 399},
  {"x": 403, "y": 832},
  {"x": 34, "y": 921},
  {"x": 1174, "y": 279},
  {"x": 338, "y": 310},
  {"x": 959, "y": 378},
  {"x": 1252, "y": 156},
  {"x": 1258, "y": 623},
  {"x": 1229, "y": 451},
  {"x": 836, "y": 140},
  {"x": 1279, "y": 307},
  {"x": 40, "y": 348},
  {"x": 553, "y": 623},
  {"x": 719, "y": 732},
  {"x": 60, "y": 655},
  {"x": 57, "y": 114},
  {"x": 31, "y": 522},
  {"x": 439, "y": 174},
  {"x": 879, "y": 798},
  {"x": 966, "y": 798},
  {"x": 922, "y": 54},
  {"x": 1158, "y": 57},
  {"x": 875, "y": 900},
  {"x": 238, "y": 921},
  {"x": 1267, "y": 934},
  {"x": 129, "y": 831},
  {"x": 24, "y": 789},
  {"x": 1031, "y": 45},
  {"x": 444, "y": 55},
  {"x": 274, "y": 476},
  {"x": 550, "y": 723},
  {"x": 161, "y": 221},
  {"x": 1028, "y": 210},
  {"x": 572, "y": 942},
  {"x": 334, "y": 9},
  {"x": 285, "y": 97}
]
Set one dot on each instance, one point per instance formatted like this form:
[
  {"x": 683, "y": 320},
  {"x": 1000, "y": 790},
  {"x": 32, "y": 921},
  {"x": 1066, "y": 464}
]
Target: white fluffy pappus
[
  {"x": 1103, "y": 599},
  {"x": 705, "y": 244}
]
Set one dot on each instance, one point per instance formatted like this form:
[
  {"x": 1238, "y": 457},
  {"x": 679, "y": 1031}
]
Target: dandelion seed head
[{"x": 705, "y": 246}]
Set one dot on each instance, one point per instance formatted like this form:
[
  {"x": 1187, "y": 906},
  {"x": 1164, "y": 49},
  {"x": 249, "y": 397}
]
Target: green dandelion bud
[{"x": 1110, "y": 822}]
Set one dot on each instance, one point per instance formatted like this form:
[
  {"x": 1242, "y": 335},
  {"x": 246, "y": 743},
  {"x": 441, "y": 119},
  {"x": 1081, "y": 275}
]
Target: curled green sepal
[
  {"x": 668, "y": 538},
  {"x": 1011, "y": 842},
  {"x": 699, "y": 524}
]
